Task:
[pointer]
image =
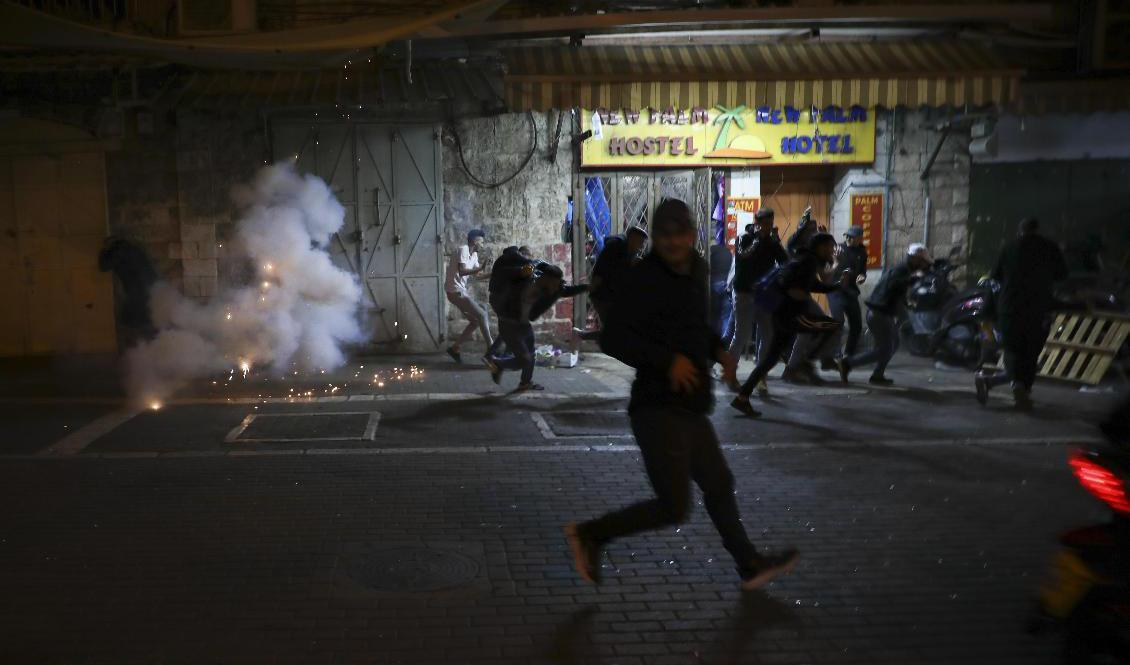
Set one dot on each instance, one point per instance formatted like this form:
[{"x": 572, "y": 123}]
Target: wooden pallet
[{"x": 1081, "y": 347}]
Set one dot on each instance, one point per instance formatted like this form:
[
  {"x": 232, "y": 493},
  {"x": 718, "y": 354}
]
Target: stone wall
[
  {"x": 528, "y": 210},
  {"x": 169, "y": 189},
  {"x": 907, "y": 138}
]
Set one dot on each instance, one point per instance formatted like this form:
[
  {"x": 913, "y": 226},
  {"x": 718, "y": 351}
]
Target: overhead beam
[{"x": 1034, "y": 12}]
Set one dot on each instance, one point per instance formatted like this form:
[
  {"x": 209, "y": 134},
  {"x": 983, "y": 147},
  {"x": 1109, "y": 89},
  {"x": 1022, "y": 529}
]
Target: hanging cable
[{"x": 451, "y": 127}]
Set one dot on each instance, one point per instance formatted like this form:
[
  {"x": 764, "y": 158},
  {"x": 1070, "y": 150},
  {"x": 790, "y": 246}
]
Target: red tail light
[{"x": 1100, "y": 481}]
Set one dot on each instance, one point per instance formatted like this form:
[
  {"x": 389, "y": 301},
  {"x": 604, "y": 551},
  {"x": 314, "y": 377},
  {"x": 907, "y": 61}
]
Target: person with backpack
[
  {"x": 506, "y": 272},
  {"x": 537, "y": 287},
  {"x": 660, "y": 327},
  {"x": 787, "y": 292},
  {"x": 758, "y": 253},
  {"x": 884, "y": 307}
]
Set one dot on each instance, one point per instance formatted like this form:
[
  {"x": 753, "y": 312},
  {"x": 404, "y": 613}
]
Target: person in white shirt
[{"x": 464, "y": 264}]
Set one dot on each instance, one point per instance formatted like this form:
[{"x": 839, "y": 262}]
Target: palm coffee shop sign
[{"x": 721, "y": 136}]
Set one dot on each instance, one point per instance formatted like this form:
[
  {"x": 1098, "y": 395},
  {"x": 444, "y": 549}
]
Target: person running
[
  {"x": 465, "y": 264},
  {"x": 660, "y": 327},
  {"x": 1027, "y": 270},
  {"x": 799, "y": 367},
  {"x": 614, "y": 260},
  {"x": 843, "y": 303},
  {"x": 536, "y": 290},
  {"x": 884, "y": 309},
  {"x": 758, "y": 253},
  {"x": 787, "y": 293},
  {"x": 505, "y": 272}
]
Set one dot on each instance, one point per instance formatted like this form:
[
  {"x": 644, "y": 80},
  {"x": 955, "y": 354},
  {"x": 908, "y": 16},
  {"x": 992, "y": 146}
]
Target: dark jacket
[
  {"x": 889, "y": 295},
  {"x": 657, "y": 314},
  {"x": 756, "y": 257},
  {"x": 611, "y": 264},
  {"x": 803, "y": 272},
  {"x": 524, "y": 300},
  {"x": 798, "y": 241},
  {"x": 506, "y": 270},
  {"x": 853, "y": 261},
  {"x": 1027, "y": 270}
]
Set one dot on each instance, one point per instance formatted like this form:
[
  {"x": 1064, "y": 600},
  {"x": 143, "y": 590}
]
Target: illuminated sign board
[{"x": 721, "y": 136}]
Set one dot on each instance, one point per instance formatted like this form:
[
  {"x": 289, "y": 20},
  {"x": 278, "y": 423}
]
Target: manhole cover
[
  {"x": 329, "y": 426},
  {"x": 417, "y": 569},
  {"x": 587, "y": 423}
]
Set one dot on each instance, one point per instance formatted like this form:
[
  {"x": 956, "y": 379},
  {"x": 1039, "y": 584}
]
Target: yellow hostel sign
[{"x": 721, "y": 136}]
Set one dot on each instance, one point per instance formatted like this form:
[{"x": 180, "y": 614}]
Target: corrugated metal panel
[
  {"x": 932, "y": 73},
  {"x": 1088, "y": 96}
]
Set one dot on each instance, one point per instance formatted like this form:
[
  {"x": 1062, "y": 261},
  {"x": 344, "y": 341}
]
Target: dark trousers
[
  {"x": 1021, "y": 359},
  {"x": 789, "y": 321},
  {"x": 678, "y": 447},
  {"x": 519, "y": 339},
  {"x": 845, "y": 305},
  {"x": 884, "y": 329}
]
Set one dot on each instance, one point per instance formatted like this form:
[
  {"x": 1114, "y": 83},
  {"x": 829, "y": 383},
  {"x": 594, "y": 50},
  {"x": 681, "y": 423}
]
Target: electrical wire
[{"x": 485, "y": 184}]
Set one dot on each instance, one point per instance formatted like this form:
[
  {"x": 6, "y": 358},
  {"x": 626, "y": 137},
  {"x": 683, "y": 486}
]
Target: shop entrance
[{"x": 608, "y": 203}]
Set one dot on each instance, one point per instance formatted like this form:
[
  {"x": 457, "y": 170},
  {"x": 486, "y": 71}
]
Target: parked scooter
[
  {"x": 925, "y": 303},
  {"x": 967, "y": 334},
  {"x": 1087, "y": 595}
]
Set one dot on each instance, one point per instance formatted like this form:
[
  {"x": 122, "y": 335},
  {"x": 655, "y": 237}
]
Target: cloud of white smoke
[{"x": 299, "y": 310}]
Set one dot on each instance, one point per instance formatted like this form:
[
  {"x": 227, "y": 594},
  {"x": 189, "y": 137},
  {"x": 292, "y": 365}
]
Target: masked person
[
  {"x": 537, "y": 288},
  {"x": 465, "y": 264},
  {"x": 788, "y": 294},
  {"x": 1027, "y": 270},
  {"x": 843, "y": 303},
  {"x": 884, "y": 310},
  {"x": 505, "y": 272},
  {"x": 614, "y": 260},
  {"x": 758, "y": 253},
  {"x": 660, "y": 327}
]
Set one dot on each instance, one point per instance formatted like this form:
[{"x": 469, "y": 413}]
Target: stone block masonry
[
  {"x": 908, "y": 137},
  {"x": 527, "y": 210}
]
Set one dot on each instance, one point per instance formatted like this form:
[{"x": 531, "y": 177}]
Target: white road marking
[
  {"x": 572, "y": 448},
  {"x": 76, "y": 441}
]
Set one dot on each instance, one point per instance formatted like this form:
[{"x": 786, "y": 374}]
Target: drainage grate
[
  {"x": 349, "y": 426},
  {"x": 416, "y": 569},
  {"x": 566, "y": 424}
]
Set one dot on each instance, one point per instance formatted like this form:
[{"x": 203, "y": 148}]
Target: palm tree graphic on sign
[{"x": 745, "y": 146}]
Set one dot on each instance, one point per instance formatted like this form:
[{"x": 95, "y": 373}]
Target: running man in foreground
[{"x": 659, "y": 326}]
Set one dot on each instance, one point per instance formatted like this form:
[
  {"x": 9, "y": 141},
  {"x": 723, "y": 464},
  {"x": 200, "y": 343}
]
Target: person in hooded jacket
[
  {"x": 534, "y": 289},
  {"x": 660, "y": 326},
  {"x": 788, "y": 295}
]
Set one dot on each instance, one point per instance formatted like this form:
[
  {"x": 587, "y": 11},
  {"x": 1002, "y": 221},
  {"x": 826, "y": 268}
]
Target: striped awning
[{"x": 888, "y": 74}]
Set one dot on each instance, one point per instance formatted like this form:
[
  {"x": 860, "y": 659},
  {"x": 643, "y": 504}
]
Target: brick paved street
[{"x": 156, "y": 540}]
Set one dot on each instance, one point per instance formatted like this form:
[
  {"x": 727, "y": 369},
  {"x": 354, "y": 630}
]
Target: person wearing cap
[
  {"x": 843, "y": 303},
  {"x": 789, "y": 296},
  {"x": 465, "y": 264},
  {"x": 884, "y": 308},
  {"x": 660, "y": 327},
  {"x": 758, "y": 253},
  {"x": 1027, "y": 270},
  {"x": 617, "y": 256}
]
